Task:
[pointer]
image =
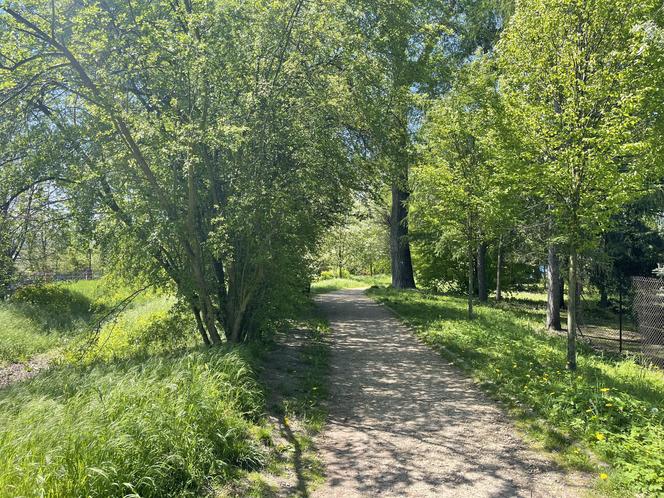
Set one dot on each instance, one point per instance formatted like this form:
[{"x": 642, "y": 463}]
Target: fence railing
[
  {"x": 48, "y": 277},
  {"x": 648, "y": 312}
]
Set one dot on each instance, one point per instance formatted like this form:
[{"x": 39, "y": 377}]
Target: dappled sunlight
[{"x": 403, "y": 421}]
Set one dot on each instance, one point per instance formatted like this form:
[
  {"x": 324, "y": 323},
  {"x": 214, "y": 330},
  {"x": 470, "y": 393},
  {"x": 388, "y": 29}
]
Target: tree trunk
[
  {"x": 562, "y": 291},
  {"x": 603, "y": 295},
  {"x": 571, "y": 310},
  {"x": 200, "y": 326},
  {"x": 402, "y": 265},
  {"x": 554, "y": 291},
  {"x": 209, "y": 318},
  {"x": 499, "y": 263},
  {"x": 471, "y": 278},
  {"x": 482, "y": 291}
]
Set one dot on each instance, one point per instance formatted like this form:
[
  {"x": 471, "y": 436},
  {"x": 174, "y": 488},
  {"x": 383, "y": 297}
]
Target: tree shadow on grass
[
  {"x": 293, "y": 371},
  {"x": 55, "y": 309}
]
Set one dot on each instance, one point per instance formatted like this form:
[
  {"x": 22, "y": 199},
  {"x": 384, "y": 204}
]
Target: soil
[{"x": 17, "y": 372}]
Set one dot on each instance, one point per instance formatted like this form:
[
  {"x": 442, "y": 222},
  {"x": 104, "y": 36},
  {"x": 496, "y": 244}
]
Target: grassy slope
[
  {"x": 614, "y": 408},
  {"x": 141, "y": 408},
  {"x": 35, "y": 322},
  {"x": 45, "y": 319}
]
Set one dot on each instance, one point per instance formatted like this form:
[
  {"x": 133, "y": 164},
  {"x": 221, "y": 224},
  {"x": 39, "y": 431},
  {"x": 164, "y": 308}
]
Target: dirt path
[
  {"x": 17, "y": 372},
  {"x": 404, "y": 422}
]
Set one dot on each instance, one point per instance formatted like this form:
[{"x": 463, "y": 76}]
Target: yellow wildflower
[
  {"x": 603, "y": 476},
  {"x": 605, "y": 389},
  {"x": 600, "y": 436}
]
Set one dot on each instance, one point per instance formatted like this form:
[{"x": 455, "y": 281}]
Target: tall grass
[
  {"x": 613, "y": 407},
  {"x": 136, "y": 409},
  {"x": 41, "y": 318},
  {"x": 152, "y": 426}
]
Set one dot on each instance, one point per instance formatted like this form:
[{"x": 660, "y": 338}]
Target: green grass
[
  {"x": 40, "y": 319},
  {"x": 294, "y": 366},
  {"x": 46, "y": 318},
  {"x": 353, "y": 282},
  {"x": 610, "y": 410},
  {"x": 149, "y": 426},
  {"x": 138, "y": 408}
]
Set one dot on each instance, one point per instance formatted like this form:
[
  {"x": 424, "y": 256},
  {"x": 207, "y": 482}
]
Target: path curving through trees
[{"x": 404, "y": 422}]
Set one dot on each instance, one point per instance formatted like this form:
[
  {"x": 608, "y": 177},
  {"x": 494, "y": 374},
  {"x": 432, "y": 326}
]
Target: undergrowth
[
  {"x": 612, "y": 407},
  {"x": 135, "y": 407},
  {"x": 150, "y": 426},
  {"x": 38, "y": 319}
]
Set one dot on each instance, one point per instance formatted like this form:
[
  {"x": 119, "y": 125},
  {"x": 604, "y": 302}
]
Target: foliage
[
  {"x": 359, "y": 246},
  {"x": 615, "y": 408},
  {"x": 458, "y": 189},
  {"x": 209, "y": 135},
  {"x": 581, "y": 82},
  {"x": 158, "y": 426}
]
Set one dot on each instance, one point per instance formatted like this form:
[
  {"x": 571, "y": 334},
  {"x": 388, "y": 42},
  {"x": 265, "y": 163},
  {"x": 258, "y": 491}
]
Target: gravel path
[{"x": 404, "y": 422}]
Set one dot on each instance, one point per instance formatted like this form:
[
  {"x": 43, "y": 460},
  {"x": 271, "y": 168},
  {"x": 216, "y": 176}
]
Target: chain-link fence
[{"x": 648, "y": 312}]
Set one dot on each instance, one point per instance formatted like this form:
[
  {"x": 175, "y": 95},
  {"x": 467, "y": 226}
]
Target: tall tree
[
  {"x": 458, "y": 184},
  {"x": 210, "y": 132},
  {"x": 580, "y": 81},
  {"x": 406, "y": 50}
]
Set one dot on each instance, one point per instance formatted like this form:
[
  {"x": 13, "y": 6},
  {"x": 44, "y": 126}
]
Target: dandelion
[
  {"x": 605, "y": 389},
  {"x": 609, "y": 405},
  {"x": 600, "y": 436},
  {"x": 603, "y": 476}
]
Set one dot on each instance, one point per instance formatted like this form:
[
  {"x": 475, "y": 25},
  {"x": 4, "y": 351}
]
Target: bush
[
  {"x": 155, "y": 427},
  {"x": 327, "y": 275},
  {"x": 54, "y": 306}
]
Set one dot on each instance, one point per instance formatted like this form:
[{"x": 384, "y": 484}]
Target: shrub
[{"x": 53, "y": 306}]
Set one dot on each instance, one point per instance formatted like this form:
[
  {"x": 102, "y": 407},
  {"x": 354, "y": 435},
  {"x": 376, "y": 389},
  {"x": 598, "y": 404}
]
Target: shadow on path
[{"x": 404, "y": 422}]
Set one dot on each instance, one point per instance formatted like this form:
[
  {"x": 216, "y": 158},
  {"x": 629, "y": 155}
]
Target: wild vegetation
[
  {"x": 138, "y": 407},
  {"x": 196, "y": 169}
]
